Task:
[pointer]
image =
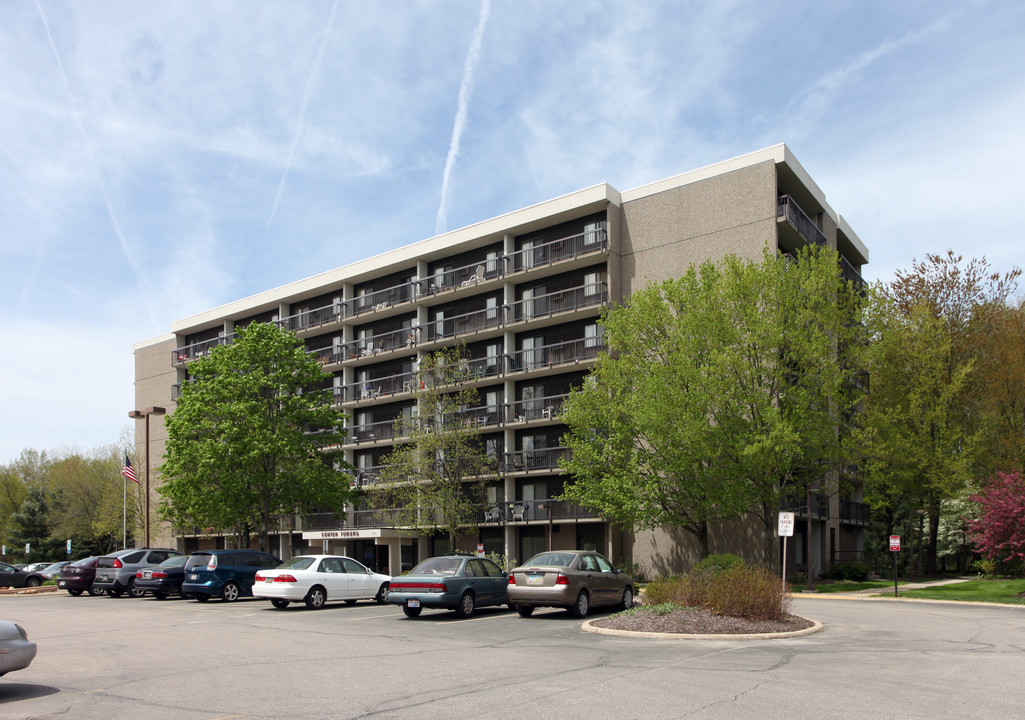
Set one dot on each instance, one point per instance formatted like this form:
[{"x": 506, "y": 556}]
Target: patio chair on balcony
[
  {"x": 493, "y": 514},
  {"x": 518, "y": 512}
]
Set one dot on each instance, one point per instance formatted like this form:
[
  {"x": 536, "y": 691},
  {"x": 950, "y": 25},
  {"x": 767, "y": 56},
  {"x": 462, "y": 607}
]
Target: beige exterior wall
[
  {"x": 154, "y": 377},
  {"x": 662, "y": 235}
]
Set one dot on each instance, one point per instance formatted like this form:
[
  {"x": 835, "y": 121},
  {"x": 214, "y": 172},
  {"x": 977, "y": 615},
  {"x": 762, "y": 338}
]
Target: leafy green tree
[
  {"x": 247, "y": 441},
  {"x": 923, "y": 426},
  {"x": 33, "y": 528},
  {"x": 435, "y": 480},
  {"x": 721, "y": 392}
]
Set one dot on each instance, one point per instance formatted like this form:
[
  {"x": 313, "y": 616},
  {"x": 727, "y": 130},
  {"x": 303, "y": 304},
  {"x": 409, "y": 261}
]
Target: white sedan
[{"x": 315, "y": 579}]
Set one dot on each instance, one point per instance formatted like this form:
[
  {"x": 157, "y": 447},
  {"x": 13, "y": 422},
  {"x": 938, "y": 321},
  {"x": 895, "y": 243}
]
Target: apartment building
[{"x": 523, "y": 292}]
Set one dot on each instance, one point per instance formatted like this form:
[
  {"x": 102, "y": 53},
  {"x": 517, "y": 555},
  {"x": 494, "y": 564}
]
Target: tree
[
  {"x": 33, "y": 529},
  {"x": 999, "y": 531},
  {"x": 721, "y": 392},
  {"x": 435, "y": 480},
  {"x": 1001, "y": 368},
  {"x": 922, "y": 429},
  {"x": 246, "y": 442}
]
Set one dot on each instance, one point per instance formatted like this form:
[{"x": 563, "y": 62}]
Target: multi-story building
[{"x": 523, "y": 292}]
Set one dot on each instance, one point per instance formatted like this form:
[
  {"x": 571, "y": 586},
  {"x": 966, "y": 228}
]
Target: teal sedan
[{"x": 450, "y": 582}]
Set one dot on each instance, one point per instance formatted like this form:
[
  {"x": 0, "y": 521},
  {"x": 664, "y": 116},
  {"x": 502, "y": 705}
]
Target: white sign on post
[{"x": 786, "y": 524}]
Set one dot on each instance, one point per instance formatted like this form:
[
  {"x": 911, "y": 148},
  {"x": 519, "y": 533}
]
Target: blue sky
[{"x": 159, "y": 159}]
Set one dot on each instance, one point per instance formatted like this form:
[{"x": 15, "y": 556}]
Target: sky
[{"x": 160, "y": 159}]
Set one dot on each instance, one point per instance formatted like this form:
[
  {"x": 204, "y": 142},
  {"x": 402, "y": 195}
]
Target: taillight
[
  {"x": 285, "y": 578},
  {"x": 212, "y": 564},
  {"x": 512, "y": 579},
  {"x": 258, "y": 578},
  {"x": 117, "y": 563},
  {"x": 561, "y": 579},
  {"x": 138, "y": 574},
  {"x": 158, "y": 574}
]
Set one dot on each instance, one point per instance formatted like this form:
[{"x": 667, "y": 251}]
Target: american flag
[{"x": 128, "y": 471}]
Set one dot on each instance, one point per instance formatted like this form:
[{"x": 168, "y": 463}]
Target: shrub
[
  {"x": 715, "y": 564},
  {"x": 664, "y": 590},
  {"x": 747, "y": 592},
  {"x": 854, "y": 571},
  {"x": 986, "y": 566},
  {"x": 632, "y": 569},
  {"x": 799, "y": 579}
]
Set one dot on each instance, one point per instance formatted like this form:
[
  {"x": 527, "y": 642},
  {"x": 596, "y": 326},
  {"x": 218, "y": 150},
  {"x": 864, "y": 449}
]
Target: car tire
[
  {"x": 582, "y": 605},
  {"x": 382, "y": 594},
  {"x": 230, "y": 592},
  {"x": 160, "y": 595},
  {"x": 134, "y": 591},
  {"x": 201, "y": 597},
  {"x": 279, "y": 603},
  {"x": 525, "y": 610},
  {"x": 628, "y": 598},
  {"x": 33, "y": 582},
  {"x": 466, "y": 605},
  {"x": 74, "y": 592},
  {"x": 115, "y": 593},
  {"x": 411, "y": 612},
  {"x": 95, "y": 591},
  {"x": 315, "y": 598}
]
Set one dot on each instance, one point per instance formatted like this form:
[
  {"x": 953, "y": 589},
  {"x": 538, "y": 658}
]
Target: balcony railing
[
  {"x": 849, "y": 274},
  {"x": 559, "y": 302},
  {"x": 318, "y": 316},
  {"x": 544, "y": 408},
  {"x": 464, "y": 276},
  {"x": 566, "y": 248},
  {"x": 855, "y": 513},
  {"x": 787, "y": 208},
  {"x": 527, "y": 460},
  {"x": 199, "y": 349},
  {"x": 381, "y": 299},
  {"x": 373, "y": 388},
  {"x": 819, "y": 506},
  {"x": 571, "y": 351},
  {"x": 465, "y": 324}
]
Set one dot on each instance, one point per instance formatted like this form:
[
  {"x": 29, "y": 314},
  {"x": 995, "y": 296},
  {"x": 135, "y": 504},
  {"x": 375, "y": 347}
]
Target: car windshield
[
  {"x": 438, "y": 566},
  {"x": 301, "y": 562},
  {"x": 176, "y": 561},
  {"x": 552, "y": 559}
]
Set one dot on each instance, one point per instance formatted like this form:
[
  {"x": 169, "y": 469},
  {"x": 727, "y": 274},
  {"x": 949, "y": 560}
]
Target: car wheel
[
  {"x": 33, "y": 582},
  {"x": 581, "y": 606},
  {"x": 115, "y": 593},
  {"x": 315, "y": 598},
  {"x": 382, "y": 594},
  {"x": 95, "y": 591},
  {"x": 279, "y": 603},
  {"x": 525, "y": 610},
  {"x": 74, "y": 592},
  {"x": 411, "y": 612},
  {"x": 628, "y": 598},
  {"x": 160, "y": 595},
  {"x": 466, "y": 605},
  {"x": 134, "y": 591},
  {"x": 230, "y": 592},
  {"x": 202, "y": 597}
]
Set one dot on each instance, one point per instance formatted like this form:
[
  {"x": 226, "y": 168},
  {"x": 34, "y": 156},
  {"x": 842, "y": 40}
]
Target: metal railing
[
  {"x": 571, "y": 351},
  {"x": 199, "y": 349},
  {"x": 543, "y": 408},
  {"x": 528, "y": 460},
  {"x": 787, "y": 208},
  {"x": 559, "y": 302},
  {"x": 566, "y": 248},
  {"x": 855, "y": 513}
]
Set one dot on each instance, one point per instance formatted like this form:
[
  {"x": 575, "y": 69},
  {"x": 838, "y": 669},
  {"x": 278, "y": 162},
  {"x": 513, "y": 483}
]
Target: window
[
  {"x": 592, "y": 233},
  {"x": 592, "y": 284},
  {"x": 492, "y": 264},
  {"x": 533, "y": 352},
  {"x": 593, "y": 336},
  {"x": 353, "y": 567},
  {"x": 603, "y": 564}
]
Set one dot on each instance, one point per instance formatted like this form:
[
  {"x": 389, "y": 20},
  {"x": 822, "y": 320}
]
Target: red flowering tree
[{"x": 999, "y": 532}]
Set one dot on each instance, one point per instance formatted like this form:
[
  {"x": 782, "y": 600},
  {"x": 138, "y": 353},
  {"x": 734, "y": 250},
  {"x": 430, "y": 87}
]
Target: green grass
[
  {"x": 843, "y": 586},
  {"x": 998, "y": 591}
]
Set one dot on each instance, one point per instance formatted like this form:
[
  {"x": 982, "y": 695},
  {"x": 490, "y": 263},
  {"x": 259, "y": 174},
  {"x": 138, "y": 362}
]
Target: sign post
[
  {"x": 785, "y": 529},
  {"x": 895, "y": 548}
]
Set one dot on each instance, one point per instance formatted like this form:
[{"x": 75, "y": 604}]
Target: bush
[
  {"x": 632, "y": 569},
  {"x": 715, "y": 564},
  {"x": 799, "y": 579},
  {"x": 664, "y": 590},
  {"x": 853, "y": 571},
  {"x": 732, "y": 589},
  {"x": 986, "y": 566}
]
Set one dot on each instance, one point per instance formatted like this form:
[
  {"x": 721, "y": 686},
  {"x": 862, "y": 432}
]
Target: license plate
[
  {"x": 268, "y": 580},
  {"x": 535, "y": 579},
  {"x": 193, "y": 576},
  {"x": 147, "y": 574},
  {"x": 103, "y": 578},
  {"x": 412, "y": 603},
  {"x": 60, "y": 583}
]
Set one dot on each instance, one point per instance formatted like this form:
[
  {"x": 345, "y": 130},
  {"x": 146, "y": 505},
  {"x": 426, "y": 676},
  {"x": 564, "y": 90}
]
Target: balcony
[
  {"x": 401, "y": 339},
  {"x": 538, "y": 510},
  {"x": 854, "y": 513},
  {"x": 318, "y": 317},
  {"x": 569, "y": 352},
  {"x": 373, "y": 388},
  {"x": 543, "y": 408},
  {"x": 849, "y": 274},
  {"x": 381, "y": 299},
  {"x": 561, "y": 250},
  {"x": 197, "y": 350},
  {"x": 562, "y": 301},
  {"x": 788, "y": 209},
  {"x": 819, "y": 506},
  {"x": 469, "y": 323},
  {"x": 544, "y": 459}
]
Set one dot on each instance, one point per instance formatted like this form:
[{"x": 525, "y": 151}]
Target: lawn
[
  {"x": 998, "y": 591},
  {"x": 845, "y": 586}
]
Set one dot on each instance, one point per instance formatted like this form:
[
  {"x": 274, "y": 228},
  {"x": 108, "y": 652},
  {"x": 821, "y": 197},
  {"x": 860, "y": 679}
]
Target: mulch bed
[{"x": 694, "y": 621}]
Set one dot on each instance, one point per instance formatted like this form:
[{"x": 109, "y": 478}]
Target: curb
[
  {"x": 588, "y": 627},
  {"x": 29, "y": 591}
]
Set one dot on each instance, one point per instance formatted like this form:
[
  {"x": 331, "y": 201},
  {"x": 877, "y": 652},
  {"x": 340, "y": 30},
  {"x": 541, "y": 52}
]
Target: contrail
[
  {"x": 302, "y": 117},
  {"x": 96, "y": 168},
  {"x": 465, "y": 88}
]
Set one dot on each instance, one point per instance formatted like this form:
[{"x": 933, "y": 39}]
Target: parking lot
[{"x": 112, "y": 658}]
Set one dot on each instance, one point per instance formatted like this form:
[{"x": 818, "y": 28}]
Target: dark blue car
[
  {"x": 227, "y": 574},
  {"x": 453, "y": 582}
]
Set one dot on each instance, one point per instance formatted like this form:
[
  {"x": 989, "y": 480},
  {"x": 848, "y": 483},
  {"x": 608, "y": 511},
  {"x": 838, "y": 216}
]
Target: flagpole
[{"x": 124, "y": 511}]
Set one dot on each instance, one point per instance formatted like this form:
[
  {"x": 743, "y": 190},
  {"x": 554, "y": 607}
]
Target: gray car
[
  {"x": 576, "y": 580},
  {"x": 16, "y": 651},
  {"x": 115, "y": 573}
]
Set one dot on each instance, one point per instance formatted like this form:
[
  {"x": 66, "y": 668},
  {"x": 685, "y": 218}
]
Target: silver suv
[{"x": 115, "y": 573}]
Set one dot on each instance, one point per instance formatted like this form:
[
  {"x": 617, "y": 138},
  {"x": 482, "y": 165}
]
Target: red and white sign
[
  {"x": 894, "y": 543},
  {"x": 786, "y": 524}
]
